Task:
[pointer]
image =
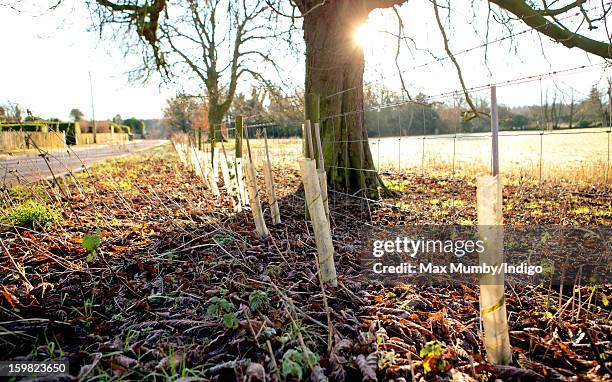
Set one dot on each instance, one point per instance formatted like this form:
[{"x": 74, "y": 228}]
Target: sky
[{"x": 49, "y": 58}]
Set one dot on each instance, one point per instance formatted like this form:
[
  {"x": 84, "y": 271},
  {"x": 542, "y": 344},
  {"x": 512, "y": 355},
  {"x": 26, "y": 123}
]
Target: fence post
[
  {"x": 490, "y": 229},
  {"x": 311, "y": 113}
]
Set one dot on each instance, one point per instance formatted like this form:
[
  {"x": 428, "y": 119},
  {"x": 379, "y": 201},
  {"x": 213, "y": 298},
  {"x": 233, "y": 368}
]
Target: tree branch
[
  {"x": 536, "y": 20},
  {"x": 468, "y": 99}
]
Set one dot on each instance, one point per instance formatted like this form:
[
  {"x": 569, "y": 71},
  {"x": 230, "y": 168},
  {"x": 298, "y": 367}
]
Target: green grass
[{"x": 32, "y": 215}]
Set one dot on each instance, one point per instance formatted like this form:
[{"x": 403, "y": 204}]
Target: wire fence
[{"x": 408, "y": 146}]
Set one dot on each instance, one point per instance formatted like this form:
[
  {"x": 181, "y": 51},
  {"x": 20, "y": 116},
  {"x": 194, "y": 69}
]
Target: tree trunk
[{"x": 334, "y": 69}]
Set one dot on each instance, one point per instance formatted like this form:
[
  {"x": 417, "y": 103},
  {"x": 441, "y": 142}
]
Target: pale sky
[{"x": 47, "y": 60}]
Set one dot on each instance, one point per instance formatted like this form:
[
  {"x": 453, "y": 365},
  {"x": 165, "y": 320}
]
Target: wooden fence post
[
  {"x": 490, "y": 228},
  {"x": 269, "y": 177},
  {"x": 311, "y": 113}
]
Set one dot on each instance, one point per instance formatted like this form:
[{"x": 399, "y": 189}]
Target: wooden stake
[
  {"x": 311, "y": 113},
  {"x": 240, "y": 179},
  {"x": 310, "y": 150},
  {"x": 309, "y": 154},
  {"x": 322, "y": 175},
  {"x": 239, "y": 128},
  {"x": 320, "y": 224},
  {"x": 321, "y": 161},
  {"x": 492, "y": 302},
  {"x": 260, "y": 224},
  {"x": 276, "y": 219}
]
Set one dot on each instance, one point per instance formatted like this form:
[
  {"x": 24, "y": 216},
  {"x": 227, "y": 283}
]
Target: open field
[
  {"x": 576, "y": 156},
  {"x": 180, "y": 286}
]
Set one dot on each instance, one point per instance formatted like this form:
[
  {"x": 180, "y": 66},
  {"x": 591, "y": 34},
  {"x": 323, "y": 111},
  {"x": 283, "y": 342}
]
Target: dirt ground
[{"x": 180, "y": 287}]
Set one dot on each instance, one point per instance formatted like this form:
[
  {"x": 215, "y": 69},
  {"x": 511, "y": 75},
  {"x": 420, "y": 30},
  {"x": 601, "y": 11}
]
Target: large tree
[
  {"x": 214, "y": 43},
  {"x": 335, "y": 64}
]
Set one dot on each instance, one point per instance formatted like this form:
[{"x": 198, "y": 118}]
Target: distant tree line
[
  {"x": 420, "y": 117},
  {"x": 283, "y": 114}
]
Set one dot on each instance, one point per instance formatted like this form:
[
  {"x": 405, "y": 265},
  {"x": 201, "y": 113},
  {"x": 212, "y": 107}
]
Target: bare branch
[{"x": 468, "y": 99}]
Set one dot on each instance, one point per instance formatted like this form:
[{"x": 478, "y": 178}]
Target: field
[
  {"x": 133, "y": 270},
  {"x": 577, "y": 156}
]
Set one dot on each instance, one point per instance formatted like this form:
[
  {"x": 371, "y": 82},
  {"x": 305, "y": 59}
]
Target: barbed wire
[{"x": 449, "y": 93}]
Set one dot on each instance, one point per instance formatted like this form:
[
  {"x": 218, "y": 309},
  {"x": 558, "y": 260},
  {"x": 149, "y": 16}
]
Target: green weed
[
  {"x": 221, "y": 307},
  {"x": 258, "y": 300},
  {"x": 91, "y": 242},
  {"x": 32, "y": 215},
  {"x": 295, "y": 362}
]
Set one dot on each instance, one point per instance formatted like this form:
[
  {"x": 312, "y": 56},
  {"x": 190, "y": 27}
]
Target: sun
[{"x": 365, "y": 36}]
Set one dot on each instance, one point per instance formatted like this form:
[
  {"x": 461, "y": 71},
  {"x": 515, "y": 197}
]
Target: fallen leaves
[{"x": 170, "y": 252}]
